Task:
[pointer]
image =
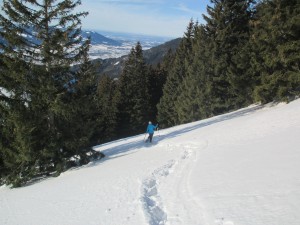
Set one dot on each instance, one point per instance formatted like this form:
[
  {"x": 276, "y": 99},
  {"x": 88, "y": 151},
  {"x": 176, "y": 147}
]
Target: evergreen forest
[{"x": 54, "y": 106}]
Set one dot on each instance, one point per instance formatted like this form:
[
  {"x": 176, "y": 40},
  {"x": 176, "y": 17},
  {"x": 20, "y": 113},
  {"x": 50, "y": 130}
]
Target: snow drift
[{"x": 240, "y": 168}]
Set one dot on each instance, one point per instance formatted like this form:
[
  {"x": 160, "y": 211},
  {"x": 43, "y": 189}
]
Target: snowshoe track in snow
[{"x": 152, "y": 200}]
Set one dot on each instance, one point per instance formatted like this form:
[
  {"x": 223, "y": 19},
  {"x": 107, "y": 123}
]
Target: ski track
[{"x": 155, "y": 209}]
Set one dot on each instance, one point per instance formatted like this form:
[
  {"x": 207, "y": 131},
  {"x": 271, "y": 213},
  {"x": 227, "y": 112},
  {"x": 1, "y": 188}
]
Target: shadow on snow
[{"x": 124, "y": 146}]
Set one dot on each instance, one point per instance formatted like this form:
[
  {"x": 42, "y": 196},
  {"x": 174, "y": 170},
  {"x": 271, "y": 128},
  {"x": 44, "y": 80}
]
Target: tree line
[
  {"x": 246, "y": 52},
  {"x": 55, "y": 107}
]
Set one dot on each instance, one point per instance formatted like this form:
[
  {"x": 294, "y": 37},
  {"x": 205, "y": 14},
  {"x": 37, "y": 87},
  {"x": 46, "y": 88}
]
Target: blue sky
[{"x": 153, "y": 17}]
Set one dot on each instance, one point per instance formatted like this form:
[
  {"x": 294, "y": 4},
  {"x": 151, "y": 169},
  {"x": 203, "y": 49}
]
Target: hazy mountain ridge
[
  {"x": 119, "y": 44},
  {"x": 97, "y": 38},
  {"x": 113, "y": 66},
  {"x": 111, "y": 49}
]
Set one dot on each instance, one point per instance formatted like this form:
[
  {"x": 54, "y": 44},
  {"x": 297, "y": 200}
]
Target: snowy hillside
[
  {"x": 240, "y": 168},
  {"x": 98, "y": 39}
]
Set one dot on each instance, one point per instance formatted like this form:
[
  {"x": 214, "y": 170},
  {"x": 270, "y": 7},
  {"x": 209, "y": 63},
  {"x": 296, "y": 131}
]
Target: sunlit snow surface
[{"x": 240, "y": 168}]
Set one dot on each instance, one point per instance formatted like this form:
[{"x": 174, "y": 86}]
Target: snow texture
[{"x": 240, "y": 168}]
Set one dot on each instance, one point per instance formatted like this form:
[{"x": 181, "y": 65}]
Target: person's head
[{"x": 150, "y": 122}]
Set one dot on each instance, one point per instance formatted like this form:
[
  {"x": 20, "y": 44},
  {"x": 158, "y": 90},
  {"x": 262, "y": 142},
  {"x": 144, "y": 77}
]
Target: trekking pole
[{"x": 145, "y": 136}]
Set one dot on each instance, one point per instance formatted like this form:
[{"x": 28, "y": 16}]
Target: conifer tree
[
  {"x": 167, "y": 114},
  {"x": 41, "y": 42},
  {"x": 277, "y": 46},
  {"x": 193, "y": 102},
  {"x": 229, "y": 31},
  {"x": 78, "y": 128},
  {"x": 134, "y": 100},
  {"x": 157, "y": 79},
  {"x": 107, "y": 113}
]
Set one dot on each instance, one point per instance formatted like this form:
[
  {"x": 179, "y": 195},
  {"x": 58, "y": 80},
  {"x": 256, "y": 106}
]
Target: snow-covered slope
[{"x": 240, "y": 168}]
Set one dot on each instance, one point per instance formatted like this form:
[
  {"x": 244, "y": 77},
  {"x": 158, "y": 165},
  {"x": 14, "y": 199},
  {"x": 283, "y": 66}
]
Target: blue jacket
[{"x": 151, "y": 128}]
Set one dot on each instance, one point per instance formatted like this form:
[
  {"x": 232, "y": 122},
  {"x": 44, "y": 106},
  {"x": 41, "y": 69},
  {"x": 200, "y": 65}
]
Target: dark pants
[{"x": 150, "y": 137}]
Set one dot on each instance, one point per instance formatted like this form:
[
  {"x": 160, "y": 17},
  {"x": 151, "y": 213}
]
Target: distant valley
[
  {"x": 106, "y": 45},
  {"x": 113, "y": 66},
  {"x": 110, "y": 50}
]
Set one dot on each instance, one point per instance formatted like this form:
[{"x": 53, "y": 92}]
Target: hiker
[{"x": 150, "y": 131}]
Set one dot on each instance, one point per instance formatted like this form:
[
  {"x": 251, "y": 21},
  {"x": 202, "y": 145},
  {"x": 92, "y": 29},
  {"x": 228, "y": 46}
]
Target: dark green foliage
[
  {"x": 47, "y": 115},
  {"x": 246, "y": 52},
  {"x": 229, "y": 30},
  {"x": 107, "y": 113},
  {"x": 134, "y": 99},
  {"x": 193, "y": 102},
  {"x": 78, "y": 124},
  {"x": 277, "y": 46},
  {"x": 167, "y": 115},
  {"x": 157, "y": 79},
  {"x": 210, "y": 74}
]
